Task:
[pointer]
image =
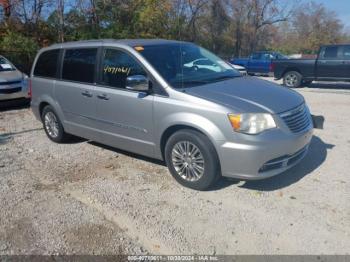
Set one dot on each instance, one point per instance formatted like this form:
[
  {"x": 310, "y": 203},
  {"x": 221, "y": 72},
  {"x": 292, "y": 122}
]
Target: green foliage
[
  {"x": 14, "y": 41},
  {"x": 19, "y": 49},
  {"x": 150, "y": 18},
  {"x": 228, "y": 28}
]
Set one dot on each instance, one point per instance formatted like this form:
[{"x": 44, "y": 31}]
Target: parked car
[
  {"x": 259, "y": 62},
  {"x": 13, "y": 83},
  {"x": 205, "y": 63},
  {"x": 140, "y": 96},
  {"x": 331, "y": 64}
]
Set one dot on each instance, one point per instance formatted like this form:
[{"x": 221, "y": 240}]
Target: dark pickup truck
[{"x": 332, "y": 64}]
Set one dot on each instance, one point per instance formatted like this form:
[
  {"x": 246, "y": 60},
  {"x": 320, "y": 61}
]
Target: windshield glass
[
  {"x": 5, "y": 65},
  {"x": 186, "y": 65}
]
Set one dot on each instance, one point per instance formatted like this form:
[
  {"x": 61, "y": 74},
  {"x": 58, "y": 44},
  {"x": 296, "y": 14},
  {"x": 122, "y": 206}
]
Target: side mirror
[{"x": 137, "y": 83}]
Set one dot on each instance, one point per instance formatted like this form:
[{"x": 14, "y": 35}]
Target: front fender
[{"x": 198, "y": 122}]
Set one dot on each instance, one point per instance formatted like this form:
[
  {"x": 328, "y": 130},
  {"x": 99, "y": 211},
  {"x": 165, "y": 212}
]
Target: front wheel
[
  {"x": 192, "y": 159},
  {"x": 292, "y": 79}
]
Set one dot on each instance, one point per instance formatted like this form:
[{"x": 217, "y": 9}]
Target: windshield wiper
[
  {"x": 222, "y": 78},
  {"x": 183, "y": 84}
]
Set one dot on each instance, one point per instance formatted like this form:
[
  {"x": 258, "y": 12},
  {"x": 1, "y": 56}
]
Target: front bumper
[
  {"x": 243, "y": 72},
  {"x": 14, "y": 91},
  {"x": 270, "y": 156}
]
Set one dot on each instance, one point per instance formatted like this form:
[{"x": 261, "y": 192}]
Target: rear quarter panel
[{"x": 306, "y": 67}]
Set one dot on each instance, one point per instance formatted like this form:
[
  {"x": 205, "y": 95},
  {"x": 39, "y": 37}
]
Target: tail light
[
  {"x": 30, "y": 88},
  {"x": 272, "y": 67}
]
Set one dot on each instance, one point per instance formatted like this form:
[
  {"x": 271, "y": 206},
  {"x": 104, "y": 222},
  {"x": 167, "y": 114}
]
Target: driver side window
[{"x": 117, "y": 66}]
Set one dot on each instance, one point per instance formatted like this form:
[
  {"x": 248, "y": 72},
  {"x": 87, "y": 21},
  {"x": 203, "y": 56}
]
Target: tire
[
  {"x": 292, "y": 79},
  {"x": 192, "y": 172},
  {"x": 53, "y": 130}
]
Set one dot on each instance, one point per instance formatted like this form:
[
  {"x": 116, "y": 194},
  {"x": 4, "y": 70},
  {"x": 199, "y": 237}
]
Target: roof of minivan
[{"x": 127, "y": 42}]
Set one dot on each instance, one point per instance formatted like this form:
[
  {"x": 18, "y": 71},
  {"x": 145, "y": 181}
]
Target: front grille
[
  {"x": 297, "y": 119},
  {"x": 10, "y": 90},
  {"x": 10, "y": 83},
  {"x": 284, "y": 161}
]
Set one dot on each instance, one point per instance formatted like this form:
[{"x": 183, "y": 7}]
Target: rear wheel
[
  {"x": 192, "y": 159},
  {"x": 292, "y": 79},
  {"x": 53, "y": 126}
]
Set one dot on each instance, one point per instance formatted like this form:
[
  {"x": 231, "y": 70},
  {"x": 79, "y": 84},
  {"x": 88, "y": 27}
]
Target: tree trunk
[{"x": 60, "y": 13}]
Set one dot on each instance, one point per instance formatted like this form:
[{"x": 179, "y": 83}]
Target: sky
[{"x": 341, "y": 7}]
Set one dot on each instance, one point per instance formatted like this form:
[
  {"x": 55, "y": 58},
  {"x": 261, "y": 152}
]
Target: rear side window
[
  {"x": 46, "y": 66},
  {"x": 330, "y": 52},
  {"x": 117, "y": 66},
  {"x": 346, "y": 52},
  {"x": 79, "y": 65}
]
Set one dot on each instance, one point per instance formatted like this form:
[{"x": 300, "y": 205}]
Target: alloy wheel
[
  {"x": 291, "y": 80},
  {"x": 51, "y": 124},
  {"x": 188, "y": 161}
]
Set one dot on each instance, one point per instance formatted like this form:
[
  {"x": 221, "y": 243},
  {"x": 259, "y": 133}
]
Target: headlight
[{"x": 251, "y": 123}]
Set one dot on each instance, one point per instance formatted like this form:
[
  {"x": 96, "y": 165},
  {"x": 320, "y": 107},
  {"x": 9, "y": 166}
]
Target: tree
[
  {"x": 227, "y": 27},
  {"x": 314, "y": 25},
  {"x": 250, "y": 17},
  {"x": 151, "y": 19},
  {"x": 6, "y": 10},
  {"x": 19, "y": 49},
  {"x": 217, "y": 25}
]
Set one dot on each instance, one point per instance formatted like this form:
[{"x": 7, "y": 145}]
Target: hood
[
  {"x": 6, "y": 76},
  {"x": 249, "y": 95}
]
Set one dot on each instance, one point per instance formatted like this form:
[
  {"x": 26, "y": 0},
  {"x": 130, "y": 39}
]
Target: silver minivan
[{"x": 148, "y": 97}]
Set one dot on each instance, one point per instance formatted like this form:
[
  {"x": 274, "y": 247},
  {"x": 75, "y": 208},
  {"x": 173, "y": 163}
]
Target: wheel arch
[
  {"x": 48, "y": 101},
  {"x": 170, "y": 130},
  {"x": 42, "y": 105},
  {"x": 291, "y": 69}
]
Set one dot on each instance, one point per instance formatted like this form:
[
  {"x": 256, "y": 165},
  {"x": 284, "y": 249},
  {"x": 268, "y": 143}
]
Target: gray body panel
[
  {"x": 249, "y": 94},
  {"x": 126, "y": 120},
  {"x": 136, "y": 121}
]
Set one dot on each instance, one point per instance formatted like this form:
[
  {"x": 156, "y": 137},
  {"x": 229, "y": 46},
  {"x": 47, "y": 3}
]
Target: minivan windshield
[
  {"x": 5, "y": 65},
  {"x": 185, "y": 65}
]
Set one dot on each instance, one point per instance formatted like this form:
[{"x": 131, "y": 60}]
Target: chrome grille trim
[
  {"x": 297, "y": 119},
  {"x": 10, "y": 90},
  {"x": 10, "y": 83}
]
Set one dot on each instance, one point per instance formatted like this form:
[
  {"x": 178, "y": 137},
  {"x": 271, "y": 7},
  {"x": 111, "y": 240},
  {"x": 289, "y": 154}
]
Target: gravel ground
[{"x": 86, "y": 198}]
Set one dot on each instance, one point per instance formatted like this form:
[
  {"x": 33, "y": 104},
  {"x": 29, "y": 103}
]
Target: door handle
[
  {"x": 86, "y": 93},
  {"x": 103, "y": 97}
]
